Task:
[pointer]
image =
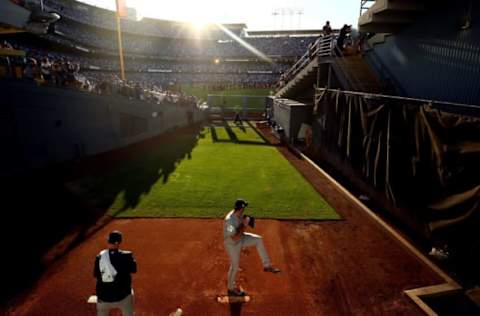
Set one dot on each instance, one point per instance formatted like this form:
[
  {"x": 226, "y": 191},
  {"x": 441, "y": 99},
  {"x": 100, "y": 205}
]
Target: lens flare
[{"x": 252, "y": 49}]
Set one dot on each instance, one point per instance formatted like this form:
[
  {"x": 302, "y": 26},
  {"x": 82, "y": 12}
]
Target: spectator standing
[
  {"x": 57, "y": 73},
  {"x": 30, "y": 73},
  {"x": 6, "y": 45},
  {"x": 342, "y": 36},
  {"x": 46, "y": 70},
  {"x": 327, "y": 29}
]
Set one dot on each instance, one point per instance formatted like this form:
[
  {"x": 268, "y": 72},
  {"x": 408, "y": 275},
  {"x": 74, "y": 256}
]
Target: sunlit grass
[{"x": 204, "y": 178}]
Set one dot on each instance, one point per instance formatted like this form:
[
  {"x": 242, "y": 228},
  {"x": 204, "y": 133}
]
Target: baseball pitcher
[{"x": 235, "y": 238}]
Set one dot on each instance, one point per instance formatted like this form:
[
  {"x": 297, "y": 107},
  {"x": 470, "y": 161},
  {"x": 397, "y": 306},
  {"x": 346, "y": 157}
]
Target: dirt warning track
[{"x": 329, "y": 268}]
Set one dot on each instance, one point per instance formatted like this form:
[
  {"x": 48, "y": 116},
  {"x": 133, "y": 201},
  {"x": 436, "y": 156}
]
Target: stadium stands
[
  {"x": 96, "y": 38},
  {"x": 105, "y": 19},
  {"x": 158, "y": 53}
]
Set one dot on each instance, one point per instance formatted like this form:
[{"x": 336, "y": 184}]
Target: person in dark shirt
[
  {"x": 341, "y": 38},
  {"x": 327, "y": 29},
  {"x": 112, "y": 270}
]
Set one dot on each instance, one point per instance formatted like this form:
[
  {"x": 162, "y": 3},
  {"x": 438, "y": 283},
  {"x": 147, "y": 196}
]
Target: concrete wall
[
  {"x": 52, "y": 125},
  {"x": 434, "y": 58}
]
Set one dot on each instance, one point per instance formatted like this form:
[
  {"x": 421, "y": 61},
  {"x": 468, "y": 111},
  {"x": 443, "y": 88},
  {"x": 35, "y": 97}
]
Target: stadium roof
[
  {"x": 285, "y": 32},
  {"x": 235, "y": 25}
]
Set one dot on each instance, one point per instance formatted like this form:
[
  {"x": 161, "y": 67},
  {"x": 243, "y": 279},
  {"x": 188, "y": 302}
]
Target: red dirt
[
  {"x": 348, "y": 267},
  {"x": 329, "y": 268}
]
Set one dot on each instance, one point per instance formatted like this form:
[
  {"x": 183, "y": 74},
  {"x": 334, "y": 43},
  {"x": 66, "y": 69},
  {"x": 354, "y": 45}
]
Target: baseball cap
[
  {"x": 115, "y": 237},
  {"x": 240, "y": 203}
]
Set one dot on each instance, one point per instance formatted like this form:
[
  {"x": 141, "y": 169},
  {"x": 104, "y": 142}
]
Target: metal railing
[
  {"x": 325, "y": 46},
  {"x": 322, "y": 47},
  {"x": 451, "y": 107}
]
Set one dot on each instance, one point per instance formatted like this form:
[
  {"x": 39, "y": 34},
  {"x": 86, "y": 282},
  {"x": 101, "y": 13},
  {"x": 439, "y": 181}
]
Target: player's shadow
[
  {"x": 257, "y": 132},
  {"x": 236, "y": 309},
  {"x": 231, "y": 134},
  {"x": 66, "y": 201},
  {"x": 213, "y": 132},
  {"x": 233, "y": 138},
  {"x": 131, "y": 173},
  {"x": 240, "y": 126}
]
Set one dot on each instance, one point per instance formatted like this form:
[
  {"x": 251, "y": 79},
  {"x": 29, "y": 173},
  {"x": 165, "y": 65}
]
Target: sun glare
[
  {"x": 199, "y": 24},
  {"x": 197, "y": 13}
]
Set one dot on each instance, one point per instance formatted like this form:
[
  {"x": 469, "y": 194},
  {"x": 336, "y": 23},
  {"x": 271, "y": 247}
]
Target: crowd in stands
[
  {"x": 111, "y": 63},
  {"x": 159, "y": 54},
  {"x": 163, "y": 72},
  {"x": 181, "y": 48},
  {"x": 240, "y": 80},
  {"x": 52, "y": 70},
  {"x": 56, "y": 69},
  {"x": 162, "y": 52}
]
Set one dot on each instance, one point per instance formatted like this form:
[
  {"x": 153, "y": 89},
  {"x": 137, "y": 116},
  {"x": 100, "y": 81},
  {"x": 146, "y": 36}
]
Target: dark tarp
[{"x": 423, "y": 160}]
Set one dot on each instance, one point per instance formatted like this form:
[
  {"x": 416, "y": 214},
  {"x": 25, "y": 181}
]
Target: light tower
[{"x": 290, "y": 12}]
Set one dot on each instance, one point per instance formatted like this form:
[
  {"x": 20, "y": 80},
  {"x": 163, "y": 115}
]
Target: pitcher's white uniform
[{"x": 230, "y": 227}]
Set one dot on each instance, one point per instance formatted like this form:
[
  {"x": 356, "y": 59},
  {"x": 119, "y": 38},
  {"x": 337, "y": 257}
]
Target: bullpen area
[{"x": 168, "y": 197}]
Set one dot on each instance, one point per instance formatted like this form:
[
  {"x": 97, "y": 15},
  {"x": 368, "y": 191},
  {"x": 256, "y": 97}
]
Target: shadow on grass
[
  {"x": 239, "y": 126},
  {"x": 258, "y": 133},
  {"x": 213, "y": 132},
  {"x": 43, "y": 218},
  {"x": 233, "y": 138},
  {"x": 140, "y": 171},
  {"x": 231, "y": 134}
]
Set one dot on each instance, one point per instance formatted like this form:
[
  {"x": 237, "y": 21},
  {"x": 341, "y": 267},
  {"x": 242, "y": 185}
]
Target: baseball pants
[
  {"x": 125, "y": 305},
  {"x": 234, "y": 250}
]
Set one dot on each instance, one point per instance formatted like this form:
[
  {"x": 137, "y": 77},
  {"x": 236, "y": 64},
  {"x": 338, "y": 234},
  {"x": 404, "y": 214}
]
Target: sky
[{"x": 257, "y": 14}]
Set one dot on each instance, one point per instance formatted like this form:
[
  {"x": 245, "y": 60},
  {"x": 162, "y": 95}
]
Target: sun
[
  {"x": 198, "y": 14},
  {"x": 199, "y": 24},
  {"x": 201, "y": 20}
]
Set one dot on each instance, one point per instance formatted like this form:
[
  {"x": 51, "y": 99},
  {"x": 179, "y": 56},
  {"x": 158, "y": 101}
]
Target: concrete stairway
[
  {"x": 357, "y": 73},
  {"x": 305, "y": 79},
  {"x": 328, "y": 68}
]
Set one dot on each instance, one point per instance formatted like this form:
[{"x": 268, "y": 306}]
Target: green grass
[{"x": 201, "y": 175}]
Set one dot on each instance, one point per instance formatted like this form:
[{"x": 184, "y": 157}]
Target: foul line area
[{"x": 450, "y": 285}]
